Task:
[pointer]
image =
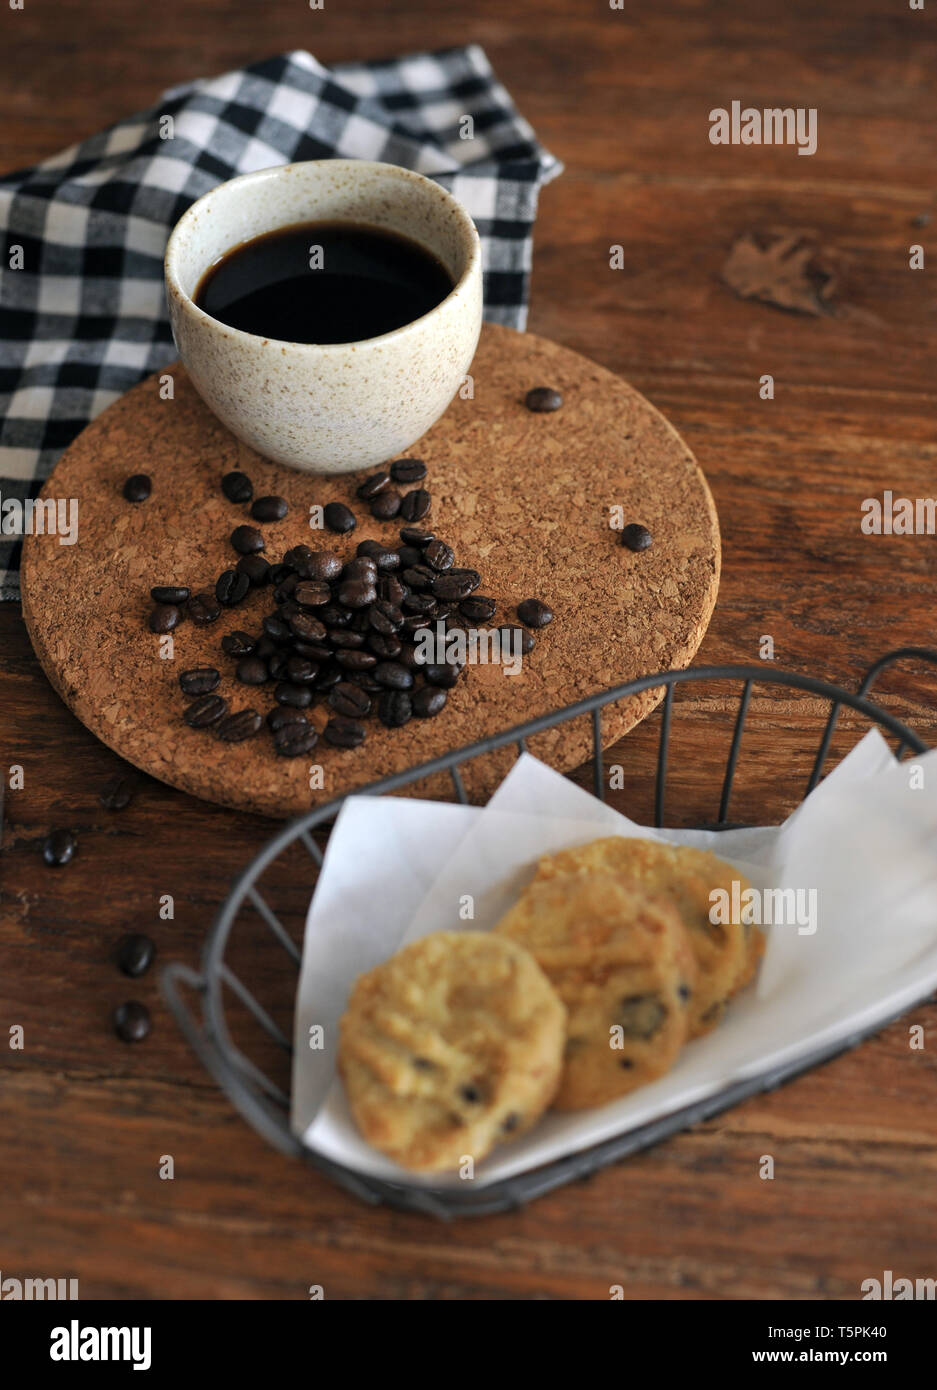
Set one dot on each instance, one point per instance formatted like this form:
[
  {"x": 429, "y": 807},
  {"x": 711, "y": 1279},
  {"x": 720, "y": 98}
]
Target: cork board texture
[{"x": 523, "y": 498}]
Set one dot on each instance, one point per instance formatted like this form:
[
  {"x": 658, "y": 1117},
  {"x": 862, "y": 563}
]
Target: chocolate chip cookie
[{"x": 450, "y": 1047}]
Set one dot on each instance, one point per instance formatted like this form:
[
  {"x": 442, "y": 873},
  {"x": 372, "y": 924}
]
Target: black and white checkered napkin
[{"x": 82, "y": 309}]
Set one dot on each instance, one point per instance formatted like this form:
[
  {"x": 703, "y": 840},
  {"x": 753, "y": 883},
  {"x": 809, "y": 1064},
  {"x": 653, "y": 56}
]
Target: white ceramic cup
[{"x": 334, "y": 407}]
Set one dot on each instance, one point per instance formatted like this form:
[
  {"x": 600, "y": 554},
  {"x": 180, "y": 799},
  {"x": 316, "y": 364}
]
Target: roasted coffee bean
[
  {"x": 58, "y": 848},
  {"x": 415, "y": 504},
  {"x": 444, "y": 607},
  {"x": 307, "y": 628},
  {"x": 252, "y": 670},
  {"x": 428, "y": 701},
  {"x": 357, "y": 593},
  {"x": 199, "y": 680},
  {"x": 312, "y": 593},
  {"x": 281, "y": 715},
  {"x": 456, "y": 584},
  {"x": 170, "y": 593},
  {"x": 372, "y": 486},
  {"x": 269, "y": 508},
  {"x": 205, "y": 711},
  {"x": 478, "y": 608},
  {"x": 344, "y": 733},
  {"x": 390, "y": 589},
  {"x": 533, "y": 612},
  {"x": 295, "y": 740},
  {"x": 384, "y": 617},
  {"x": 238, "y": 643},
  {"x": 543, "y": 399},
  {"x": 333, "y": 615},
  {"x": 393, "y": 676},
  {"x": 408, "y": 658},
  {"x": 419, "y": 576},
  {"x": 409, "y": 555},
  {"x": 117, "y": 794},
  {"x": 419, "y": 603},
  {"x": 279, "y": 574},
  {"x": 386, "y": 505},
  {"x": 256, "y": 568},
  {"x": 165, "y": 617},
  {"x": 355, "y": 660},
  {"x": 413, "y": 622},
  {"x": 288, "y": 609},
  {"x": 265, "y": 647},
  {"x": 240, "y": 726},
  {"x": 512, "y": 637},
  {"x": 384, "y": 560},
  {"x": 300, "y": 558},
  {"x": 328, "y": 677},
  {"x": 361, "y": 567},
  {"x": 203, "y": 608},
  {"x": 247, "y": 540},
  {"x": 131, "y": 1021},
  {"x": 408, "y": 470},
  {"x": 237, "y": 487},
  {"x": 313, "y": 651},
  {"x": 231, "y": 588},
  {"x": 283, "y": 591},
  {"x": 300, "y": 671},
  {"x": 138, "y": 487},
  {"x": 325, "y": 564},
  {"x": 299, "y": 696},
  {"x": 339, "y": 518},
  {"x": 394, "y": 709},
  {"x": 278, "y": 663},
  {"x": 445, "y": 674},
  {"x": 135, "y": 954},
  {"x": 635, "y": 537},
  {"x": 412, "y": 535},
  {"x": 349, "y": 700},
  {"x": 365, "y": 681},
  {"x": 277, "y": 628},
  {"x": 383, "y": 645},
  {"x": 345, "y": 638},
  {"x": 438, "y": 555}
]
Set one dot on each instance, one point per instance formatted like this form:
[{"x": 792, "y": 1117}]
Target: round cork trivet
[{"x": 526, "y": 499}]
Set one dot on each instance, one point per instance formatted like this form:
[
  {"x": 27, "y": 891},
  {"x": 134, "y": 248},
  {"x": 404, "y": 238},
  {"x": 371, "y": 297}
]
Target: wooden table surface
[{"x": 623, "y": 97}]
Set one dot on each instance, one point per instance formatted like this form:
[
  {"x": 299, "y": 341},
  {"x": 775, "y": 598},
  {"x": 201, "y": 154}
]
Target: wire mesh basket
[{"x": 253, "y": 1067}]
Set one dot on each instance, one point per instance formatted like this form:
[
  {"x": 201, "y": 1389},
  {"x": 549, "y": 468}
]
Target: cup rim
[{"x": 275, "y": 170}]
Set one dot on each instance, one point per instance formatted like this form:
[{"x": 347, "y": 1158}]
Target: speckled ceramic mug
[{"x": 335, "y": 407}]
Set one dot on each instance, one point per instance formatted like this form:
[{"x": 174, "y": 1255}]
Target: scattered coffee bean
[
  {"x": 357, "y": 593},
  {"x": 415, "y": 504},
  {"x": 408, "y": 470},
  {"x": 295, "y": 740},
  {"x": 199, "y": 680},
  {"x": 543, "y": 399},
  {"x": 269, "y": 508},
  {"x": 256, "y": 568},
  {"x": 165, "y": 617},
  {"x": 391, "y": 590},
  {"x": 240, "y": 726},
  {"x": 252, "y": 670},
  {"x": 238, "y": 643},
  {"x": 361, "y": 567},
  {"x": 339, "y": 518},
  {"x": 355, "y": 660},
  {"x": 135, "y": 954},
  {"x": 312, "y": 593},
  {"x": 282, "y": 715},
  {"x": 345, "y": 638},
  {"x": 205, "y": 711},
  {"x": 58, "y": 848},
  {"x": 419, "y": 603},
  {"x": 278, "y": 663},
  {"x": 299, "y": 696},
  {"x": 301, "y": 671},
  {"x": 138, "y": 487},
  {"x": 384, "y": 560},
  {"x": 327, "y": 677},
  {"x": 636, "y": 537},
  {"x": 131, "y": 1022},
  {"x": 237, "y": 487},
  {"x": 265, "y": 647},
  {"x": 438, "y": 555},
  {"x": 372, "y": 486},
  {"x": 325, "y": 564},
  {"x": 117, "y": 794},
  {"x": 412, "y": 535},
  {"x": 170, "y": 593},
  {"x": 428, "y": 701},
  {"x": 419, "y": 576},
  {"x": 386, "y": 505},
  {"x": 533, "y": 612},
  {"x": 232, "y": 588},
  {"x": 307, "y": 627},
  {"x": 394, "y": 709},
  {"x": 277, "y": 628},
  {"x": 203, "y": 608},
  {"x": 477, "y": 609},
  {"x": 247, "y": 540},
  {"x": 393, "y": 676},
  {"x": 349, "y": 700},
  {"x": 384, "y": 617},
  {"x": 279, "y": 573},
  {"x": 514, "y": 638},
  {"x": 409, "y": 556},
  {"x": 445, "y": 674},
  {"x": 283, "y": 591},
  {"x": 456, "y": 584},
  {"x": 344, "y": 733}
]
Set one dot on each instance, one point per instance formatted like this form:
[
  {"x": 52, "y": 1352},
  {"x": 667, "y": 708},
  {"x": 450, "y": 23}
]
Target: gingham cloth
[{"x": 82, "y": 308}]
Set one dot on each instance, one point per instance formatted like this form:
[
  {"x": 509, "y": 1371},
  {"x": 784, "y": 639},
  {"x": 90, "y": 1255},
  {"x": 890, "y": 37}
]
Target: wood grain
[{"x": 623, "y": 97}]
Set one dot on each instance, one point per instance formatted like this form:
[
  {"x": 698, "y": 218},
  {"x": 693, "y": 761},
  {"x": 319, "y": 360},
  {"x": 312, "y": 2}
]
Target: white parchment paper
[{"x": 864, "y": 842}]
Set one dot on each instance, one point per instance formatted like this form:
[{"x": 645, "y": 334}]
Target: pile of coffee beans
[{"x": 338, "y": 644}]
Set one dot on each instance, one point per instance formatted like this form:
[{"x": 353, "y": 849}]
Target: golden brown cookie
[
  {"x": 450, "y": 1047},
  {"x": 727, "y": 954},
  {"x": 621, "y": 963}
]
